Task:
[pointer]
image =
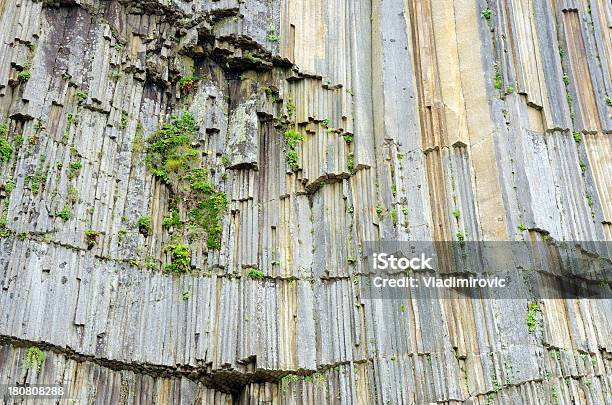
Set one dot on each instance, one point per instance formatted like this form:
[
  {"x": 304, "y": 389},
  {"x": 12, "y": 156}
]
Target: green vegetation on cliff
[
  {"x": 293, "y": 138},
  {"x": 172, "y": 156}
]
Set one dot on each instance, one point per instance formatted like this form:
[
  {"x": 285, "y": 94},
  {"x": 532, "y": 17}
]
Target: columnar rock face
[{"x": 308, "y": 127}]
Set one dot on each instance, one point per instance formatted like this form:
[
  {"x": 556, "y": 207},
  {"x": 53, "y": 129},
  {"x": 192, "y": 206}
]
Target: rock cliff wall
[{"x": 258, "y": 143}]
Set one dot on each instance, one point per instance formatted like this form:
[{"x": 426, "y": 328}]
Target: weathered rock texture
[{"x": 410, "y": 111}]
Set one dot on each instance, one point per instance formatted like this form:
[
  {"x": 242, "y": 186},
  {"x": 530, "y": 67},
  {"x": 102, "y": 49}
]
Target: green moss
[
  {"x": 64, "y": 214},
  {"x": 24, "y": 75},
  {"x": 138, "y": 144},
  {"x": 350, "y": 164},
  {"x": 124, "y": 120},
  {"x": 39, "y": 126},
  {"x": 577, "y": 136},
  {"x": 39, "y": 177},
  {"x": 6, "y": 150},
  {"x": 290, "y": 109},
  {"x": 267, "y": 90},
  {"x": 169, "y": 153},
  {"x": 379, "y": 210},
  {"x": 272, "y": 36},
  {"x": 151, "y": 263},
  {"x": 34, "y": 358},
  {"x": 461, "y": 237},
  {"x": 75, "y": 168},
  {"x": 287, "y": 380},
  {"x": 172, "y": 220},
  {"x": 554, "y": 395},
  {"x": 208, "y": 215},
  {"x": 317, "y": 378},
  {"x": 456, "y": 214},
  {"x": 91, "y": 238},
  {"x": 497, "y": 79},
  {"x": 522, "y": 227},
  {"x": 198, "y": 180},
  {"x": 292, "y": 160},
  {"x": 180, "y": 258},
  {"x": 73, "y": 194},
  {"x": 293, "y": 139},
  {"x": 486, "y": 14},
  {"x": 4, "y": 230},
  {"x": 69, "y": 122},
  {"x": 188, "y": 83},
  {"x": 566, "y": 79},
  {"x": 348, "y": 138},
  {"x": 555, "y": 354},
  {"x": 9, "y": 185},
  {"x": 252, "y": 58},
  {"x": 255, "y": 274},
  {"x": 115, "y": 74},
  {"x": 144, "y": 225},
  {"x": 172, "y": 158},
  {"x": 81, "y": 95},
  {"x": 532, "y": 317}
]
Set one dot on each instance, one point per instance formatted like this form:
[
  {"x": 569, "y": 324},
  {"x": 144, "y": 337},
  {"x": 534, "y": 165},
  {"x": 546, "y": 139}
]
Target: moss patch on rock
[{"x": 173, "y": 157}]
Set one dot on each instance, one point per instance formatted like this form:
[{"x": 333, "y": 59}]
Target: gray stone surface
[{"x": 420, "y": 120}]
